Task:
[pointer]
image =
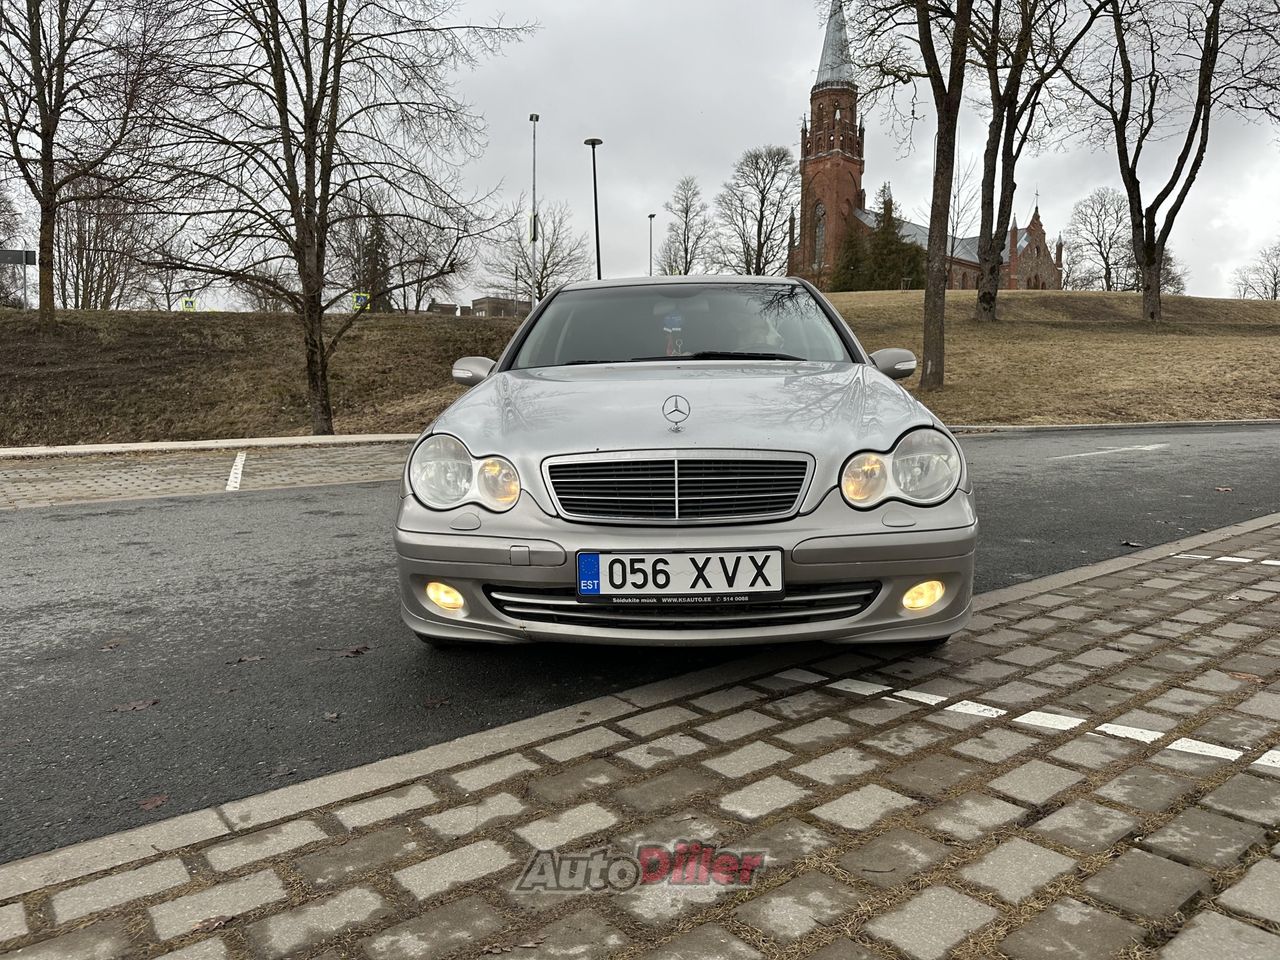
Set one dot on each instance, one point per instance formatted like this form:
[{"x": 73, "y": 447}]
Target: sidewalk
[{"x": 1091, "y": 771}]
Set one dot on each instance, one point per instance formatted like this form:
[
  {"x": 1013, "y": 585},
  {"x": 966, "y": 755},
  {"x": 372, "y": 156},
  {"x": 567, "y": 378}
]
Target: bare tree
[
  {"x": 307, "y": 113},
  {"x": 81, "y": 83},
  {"x": 10, "y": 278},
  {"x": 686, "y": 246},
  {"x": 908, "y": 43},
  {"x": 1259, "y": 279},
  {"x": 563, "y": 253},
  {"x": 966, "y": 200},
  {"x": 752, "y": 213},
  {"x": 1159, "y": 70},
  {"x": 1018, "y": 51},
  {"x": 1099, "y": 237}
]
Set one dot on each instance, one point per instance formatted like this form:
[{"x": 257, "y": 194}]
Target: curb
[
  {"x": 245, "y": 815},
  {"x": 1135, "y": 425},
  {"x": 175, "y": 446}
]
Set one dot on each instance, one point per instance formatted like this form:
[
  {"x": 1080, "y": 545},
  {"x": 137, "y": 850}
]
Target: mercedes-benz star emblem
[{"x": 676, "y": 409}]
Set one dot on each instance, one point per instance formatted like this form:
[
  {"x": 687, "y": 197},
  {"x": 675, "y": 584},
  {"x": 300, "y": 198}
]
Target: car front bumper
[{"x": 526, "y": 553}]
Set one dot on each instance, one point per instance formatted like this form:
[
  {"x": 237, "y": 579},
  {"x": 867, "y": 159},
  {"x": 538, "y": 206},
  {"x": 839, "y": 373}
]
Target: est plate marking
[{"x": 683, "y": 577}]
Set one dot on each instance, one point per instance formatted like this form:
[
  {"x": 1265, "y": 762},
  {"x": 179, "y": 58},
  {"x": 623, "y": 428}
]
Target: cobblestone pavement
[
  {"x": 43, "y": 481},
  {"x": 1090, "y": 771}
]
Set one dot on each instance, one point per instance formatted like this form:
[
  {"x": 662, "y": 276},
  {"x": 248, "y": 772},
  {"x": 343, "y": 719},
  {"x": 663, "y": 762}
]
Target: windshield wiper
[{"x": 723, "y": 355}]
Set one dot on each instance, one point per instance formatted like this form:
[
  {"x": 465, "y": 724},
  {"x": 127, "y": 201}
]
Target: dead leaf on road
[
  {"x": 113, "y": 645},
  {"x": 210, "y": 925},
  {"x": 332, "y": 717},
  {"x": 359, "y": 651},
  {"x": 1132, "y": 543},
  {"x": 434, "y": 702},
  {"x": 232, "y": 663},
  {"x": 133, "y": 706},
  {"x": 152, "y": 802},
  {"x": 1222, "y": 489},
  {"x": 1246, "y": 677}
]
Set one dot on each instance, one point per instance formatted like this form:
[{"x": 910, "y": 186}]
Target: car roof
[{"x": 663, "y": 281}]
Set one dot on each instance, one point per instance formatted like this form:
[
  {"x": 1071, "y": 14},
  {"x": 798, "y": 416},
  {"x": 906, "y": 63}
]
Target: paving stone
[
  {"x": 448, "y": 870},
  {"x": 785, "y": 842},
  {"x": 359, "y": 855},
  {"x": 815, "y": 733},
  {"x": 1016, "y": 692},
  {"x": 1147, "y": 885},
  {"x": 667, "y": 789},
  {"x": 113, "y": 890},
  {"x": 955, "y": 721},
  {"x": 930, "y": 924},
  {"x": 934, "y": 775},
  {"x": 1257, "y": 894},
  {"x": 584, "y": 935},
  {"x": 708, "y": 942},
  {"x": 677, "y": 828},
  {"x": 843, "y": 949},
  {"x": 655, "y": 721},
  {"x": 1213, "y": 935},
  {"x": 1198, "y": 836},
  {"x": 894, "y": 857},
  {"x": 996, "y": 745},
  {"x": 748, "y": 759},
  {"x": 1097, "y": 698},
  {"x": 1087, "y": 826},
  {"x": 1071, "y": 930},
  {"x": 228, "y": 899},
  {"x": 570, "y": 784},
  {"x": 985, "y": 671},
  {"x": 1215, "y": 681},
  {"x": 763, "y": 797},
  {"x": 580, "y": 744},
  {"x": 204, "y": 950},
  {"x": 262, "y": 844},
  {"x": 972, "y": 815},
  {"x": 436, "y": 933},
  {"x": 1236, "y": 730},
  {"x": 1094, "y": 752},
  {"x": 393, "y": 803},
  {"x": 660, "y": 904},
  {"x": 1059, "y": 675},
  {"x": 1146, "y": 720},
  {"x": 838, "y": 766},
  {"x": 1138, "y": 679},
  {"x": 495, "y": 771},
  {"x": 1101, "y": 657},
  {"x": 573, "y": 824},
  {"x": 726, "y": 699},
  {"x": 1248, "y": 798},
  {"x": 1145, "y": 788},
  {"x": 862, "y": 808},
  {"x": 791, "y": 911},
  {"x": 1264, "y": 704},
  {"x": 105, "y": 940},
  {"x": 743, "y": 723},
  {"x": 881, "y": 712},
  {"x": 904, "y": 740},
  {"x": 663, "y": 750},
  {"x": 1195, "y": 764},
  {"x": 1017, "y": 869},
  {"x": 1176, "y": 661},
  {"x": 1028, "y": 655},
  {"x": 302, "y": 927},
  {"x": 790, "y": 679},
  {"x": 1036, "y": 782},
  {"x": 800, "y": 706},
  {"x": 13, "y": 922},
  {"x": 914, "y": 668}
]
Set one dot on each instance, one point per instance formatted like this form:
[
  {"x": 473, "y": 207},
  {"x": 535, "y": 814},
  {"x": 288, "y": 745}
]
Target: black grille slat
[{"x": 707, "y": 488}]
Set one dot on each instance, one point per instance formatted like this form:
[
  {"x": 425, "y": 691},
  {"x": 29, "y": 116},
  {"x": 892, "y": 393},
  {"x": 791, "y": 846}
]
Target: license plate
[{"x": 680, "y": 577}]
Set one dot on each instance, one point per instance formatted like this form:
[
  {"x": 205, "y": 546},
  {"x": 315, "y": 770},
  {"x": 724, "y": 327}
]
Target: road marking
[
  {"x": 1102, "y": 453},
  {"x": 1054, "y": 721},
  {"x": 976, "y": 709},
  {"x": 1270, "y": 563},
  {"x": 859, "y": 686},
  {"x": 932, "y": 699},
  {"x": 1269, "y": 759},
  {"x": 1185, "y": 745},
  {"x": 1234, "y": 560},
  {"x": 1192, "y": 556},
  {"x": 233, "y": 481},
  {"x": 1130, "y": 733}
]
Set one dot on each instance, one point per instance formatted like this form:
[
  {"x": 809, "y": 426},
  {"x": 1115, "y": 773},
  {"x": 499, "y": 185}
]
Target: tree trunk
[
  {"x": 935, "y": 289},
  {"x": 1151, "y": 272},
  {"x": 988, "y": 248},
  {"x": 44, "y": 260},
  {"x": 317, "y": 367}
]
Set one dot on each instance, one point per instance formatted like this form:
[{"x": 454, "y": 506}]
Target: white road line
[
  {"x": 1130, "y": 733},
  {"x": 930, "y": 698},
  {"x": 1101, "y": 453},
  {"x": 859, "y": 686},
  {"x": 1234, "y": 560},
  {"x": 1192, "y": 556},
  {"x": 1185, "y": 745},
  {"x": 233, "y": 481},
  {"x": 1054, "y": 721},
  {"x": 1270, "y": 563},
  {"x": 976, "y": 709},
  {"x": 1269, "y": 759}
]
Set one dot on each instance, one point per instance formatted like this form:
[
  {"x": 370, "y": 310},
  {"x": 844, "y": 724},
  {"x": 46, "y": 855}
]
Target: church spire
[{"x": 834, "y": 67}]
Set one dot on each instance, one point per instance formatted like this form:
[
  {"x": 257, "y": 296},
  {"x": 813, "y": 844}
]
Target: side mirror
[
  {"x": 471, "y": 370},
  {"x": 894, "y": 362}
]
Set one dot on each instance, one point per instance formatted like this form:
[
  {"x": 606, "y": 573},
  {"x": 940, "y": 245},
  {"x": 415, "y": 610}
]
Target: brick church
[{"x": 833, "y": 201}]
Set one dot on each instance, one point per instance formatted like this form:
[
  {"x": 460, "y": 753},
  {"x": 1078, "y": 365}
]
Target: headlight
[
  {"x": 922, "y": 468},
  {"x": 443, "y": 474}
]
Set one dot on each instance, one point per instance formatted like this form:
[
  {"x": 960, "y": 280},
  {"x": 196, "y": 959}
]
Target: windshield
[{"x": 691, "y": 321}]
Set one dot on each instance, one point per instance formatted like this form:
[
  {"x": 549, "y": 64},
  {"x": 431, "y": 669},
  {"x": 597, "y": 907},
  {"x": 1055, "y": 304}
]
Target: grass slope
[{"x": 1054, "y": 358}]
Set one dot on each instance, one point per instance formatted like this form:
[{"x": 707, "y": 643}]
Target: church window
[{"x": 819, "y": 235}]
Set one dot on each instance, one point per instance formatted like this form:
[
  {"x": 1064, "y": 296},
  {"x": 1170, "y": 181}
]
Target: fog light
[
  {"x": 923, "y": 595},
  {"x": 445, "y": 597}
]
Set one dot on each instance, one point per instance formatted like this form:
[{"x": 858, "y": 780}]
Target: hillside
[{"x": 1055, "y": 357}]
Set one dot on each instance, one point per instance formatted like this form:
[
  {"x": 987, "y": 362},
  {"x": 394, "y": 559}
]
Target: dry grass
[{"x": 1054, "y": 358}]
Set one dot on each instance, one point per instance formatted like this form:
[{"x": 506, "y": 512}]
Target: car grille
[
  {"x": 812, "y": 603},
  {"x": 686, "y": 489}
]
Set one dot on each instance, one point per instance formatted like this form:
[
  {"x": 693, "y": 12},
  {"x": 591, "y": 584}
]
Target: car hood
[{"x": 826, "y": 409}]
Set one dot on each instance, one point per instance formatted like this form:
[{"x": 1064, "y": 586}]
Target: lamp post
[
  {"x": 533, "y": 225},
  {"x": 594, "y": 142},
  {"x": 651, "y": 216}
]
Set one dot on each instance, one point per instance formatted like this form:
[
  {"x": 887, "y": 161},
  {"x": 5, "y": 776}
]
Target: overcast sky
[{"x": 676, "y": 87}]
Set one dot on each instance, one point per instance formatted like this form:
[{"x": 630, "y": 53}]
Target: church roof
[
  {"x": 834, "y": 67},
  {"x": 959, "y": 248}
]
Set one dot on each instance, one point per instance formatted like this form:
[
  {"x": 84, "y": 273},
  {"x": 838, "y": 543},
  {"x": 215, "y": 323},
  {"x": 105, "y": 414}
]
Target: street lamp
[
  {"x": 594, "y": 142},
  {"x": 533, "y": 226},
  {"x": 651, "y": 216}
]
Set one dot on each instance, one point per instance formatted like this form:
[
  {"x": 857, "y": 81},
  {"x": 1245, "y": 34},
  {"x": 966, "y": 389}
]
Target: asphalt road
[{"x": 150, "y": 604}]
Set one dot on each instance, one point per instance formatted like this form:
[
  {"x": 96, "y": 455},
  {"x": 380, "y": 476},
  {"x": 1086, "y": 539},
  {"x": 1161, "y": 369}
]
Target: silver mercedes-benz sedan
[{"x": 701, "y": 460}]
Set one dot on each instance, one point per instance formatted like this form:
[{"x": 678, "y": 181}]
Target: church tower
[{"x": 831, "y": 163}]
